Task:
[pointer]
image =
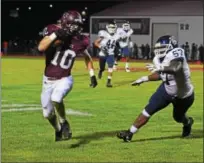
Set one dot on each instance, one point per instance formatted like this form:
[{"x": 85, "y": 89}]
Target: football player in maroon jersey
[{"x": 61, "y": 44}]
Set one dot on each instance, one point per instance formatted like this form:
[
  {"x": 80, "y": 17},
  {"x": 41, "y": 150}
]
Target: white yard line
[
  {"x": 19, "y": 105},
  {"x": 68, "y": 112}
]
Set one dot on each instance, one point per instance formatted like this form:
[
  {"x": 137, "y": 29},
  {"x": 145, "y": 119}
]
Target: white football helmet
[
  {"x": 126, "y": 26},
  {"x": 111, "y": 27},
  {"x": 164, "y": 44}
]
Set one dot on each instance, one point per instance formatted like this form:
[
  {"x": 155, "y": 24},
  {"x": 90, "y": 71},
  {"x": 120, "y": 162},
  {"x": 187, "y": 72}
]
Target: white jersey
[
  {"x": 178, "y": 85},
  {"x": 108, "y": 42},
  {"x": 124, "y": 42}
]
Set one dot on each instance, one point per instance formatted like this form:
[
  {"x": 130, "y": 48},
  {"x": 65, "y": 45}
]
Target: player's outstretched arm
[
  {"x": 172, "y": 68},
  {"x": 89, "y": 65},
  {"x": 152, "y": 77}
]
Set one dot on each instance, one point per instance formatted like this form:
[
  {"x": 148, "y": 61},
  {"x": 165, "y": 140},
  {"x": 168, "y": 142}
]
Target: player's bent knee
[
  {"x": 57, "y": 98},
  {"x": 48, "y": 113},
  {"x": 110, "y": 70}
]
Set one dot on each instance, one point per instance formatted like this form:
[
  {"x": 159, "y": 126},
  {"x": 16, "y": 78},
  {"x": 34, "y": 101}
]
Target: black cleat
[
  {"x": 100, "y": 74},
  {"x": 58, "y": 135},
  {"x": 66, "y": 131},
  {"x": 126, "y": 135},
  {"x": 109, "y": 85},
  {"x": 187, "y": 128}
]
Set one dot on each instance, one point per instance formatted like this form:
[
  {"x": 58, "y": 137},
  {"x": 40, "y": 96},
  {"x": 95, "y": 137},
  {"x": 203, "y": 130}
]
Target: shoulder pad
[
  {"x": 175, "y": 54},
  {"x": 50, "y": 29},
  {"x": 102, "y": 33}
]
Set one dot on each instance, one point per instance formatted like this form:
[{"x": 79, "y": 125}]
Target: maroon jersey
[
  {"x": 63, "y": 60},
  {"x": 50, "y": 52}
]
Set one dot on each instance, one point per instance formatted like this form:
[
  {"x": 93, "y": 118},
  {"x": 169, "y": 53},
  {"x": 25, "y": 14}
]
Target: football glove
[
  {"x": 140, "y": 81},
  {"x": 153, "y": 68},
  {"x": 61, "y": 34},
  {"x": 93, "y": 82}
]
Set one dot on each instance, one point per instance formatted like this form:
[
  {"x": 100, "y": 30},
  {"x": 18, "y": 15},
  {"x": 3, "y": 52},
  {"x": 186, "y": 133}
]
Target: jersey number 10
[{"x": 66, "y": 60}]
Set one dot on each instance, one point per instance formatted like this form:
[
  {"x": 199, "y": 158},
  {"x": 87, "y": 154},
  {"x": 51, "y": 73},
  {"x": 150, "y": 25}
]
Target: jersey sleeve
[
  {"x": 86, "y": 42},
  {"x": 49, "y": 30},
  {"x": 175, "y": 54},
  {"x": 102, "y": 34}
]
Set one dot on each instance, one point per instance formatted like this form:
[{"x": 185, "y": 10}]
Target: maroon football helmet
[{"x": 72, "y": 21}]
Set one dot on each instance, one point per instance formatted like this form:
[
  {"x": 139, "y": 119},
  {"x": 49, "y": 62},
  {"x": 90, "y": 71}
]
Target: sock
[
  {"x": 109, "y": 79},
  {"x": 54, "y": 122},
  {"x": 127, "y": 65},
  {"x": 61, "y": 111},
  {"x": 186, "y": 120},
  {"x": 133, "y": 129}
]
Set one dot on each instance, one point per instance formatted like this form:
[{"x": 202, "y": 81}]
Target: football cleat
[
  {"x": 66, "y": 131},
  {"x": 187, "y": 128},
  {"x": 58, "y": 135},
  {"x": 127, "y": 69},
  {"x": 126, "y": 135},
  {"x": 109, "y": 85}
]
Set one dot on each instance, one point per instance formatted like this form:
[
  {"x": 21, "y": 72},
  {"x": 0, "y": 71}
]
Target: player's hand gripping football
[
  {"x": 94, "y": 82},
  {"x": 61, "y": 34}
]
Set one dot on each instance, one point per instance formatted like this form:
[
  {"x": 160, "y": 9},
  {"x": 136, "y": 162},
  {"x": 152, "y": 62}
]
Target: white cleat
[
  {"x": 127, "y": 69},
  {"x": 114, "y": 68}
]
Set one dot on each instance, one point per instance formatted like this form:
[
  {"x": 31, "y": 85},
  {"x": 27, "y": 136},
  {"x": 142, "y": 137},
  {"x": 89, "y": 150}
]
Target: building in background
[{"x": 151, "y": 19}]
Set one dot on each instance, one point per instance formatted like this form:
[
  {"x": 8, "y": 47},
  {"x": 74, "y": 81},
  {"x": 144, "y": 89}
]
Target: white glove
[
  {"x": 153, "y": 68},
  {"x": 140, "y": 81}
]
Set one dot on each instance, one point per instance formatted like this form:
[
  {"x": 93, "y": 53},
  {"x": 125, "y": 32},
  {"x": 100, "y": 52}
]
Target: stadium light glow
[
  {"x": 83, "y": 13},
  {"x": 29, "y": 8},
  {"x": 84, "y": 19},
  {"x": 86, "y": 8},
  {"x": 51, "y": 5},
  {"x": 17, "y": 8}
]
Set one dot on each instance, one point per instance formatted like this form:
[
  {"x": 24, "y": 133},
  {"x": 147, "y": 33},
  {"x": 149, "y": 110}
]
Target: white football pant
[{"x": 54, "y": 90}]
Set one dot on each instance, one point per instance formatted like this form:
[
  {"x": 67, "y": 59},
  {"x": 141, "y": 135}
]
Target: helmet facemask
[
  {"x": 160, "y": 50},
  {"x": 111, "y": 28},
  {"x": 126, "y": 26}
]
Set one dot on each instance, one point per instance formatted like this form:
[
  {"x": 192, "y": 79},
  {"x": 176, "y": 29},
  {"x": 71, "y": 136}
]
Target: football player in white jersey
[
  {"x": 106, "y": 42},
  {"x": 170, "y": 66},
  {"x": 125, "y": 44}
]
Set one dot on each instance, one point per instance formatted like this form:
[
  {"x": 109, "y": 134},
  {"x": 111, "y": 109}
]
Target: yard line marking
[
  {"x": 19, "y": 105},
  {"x": 20, "y": 109},
  {"x": 68, "y": 112},
  {"x": 74, "y": 112}
]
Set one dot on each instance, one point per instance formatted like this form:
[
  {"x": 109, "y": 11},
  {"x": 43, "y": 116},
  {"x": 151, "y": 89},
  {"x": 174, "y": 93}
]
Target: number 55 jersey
[{"x": 179, "y": 84}]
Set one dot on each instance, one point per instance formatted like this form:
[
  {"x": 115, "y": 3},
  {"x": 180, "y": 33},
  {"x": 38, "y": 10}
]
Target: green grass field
[{"x": 28, "y": 137}]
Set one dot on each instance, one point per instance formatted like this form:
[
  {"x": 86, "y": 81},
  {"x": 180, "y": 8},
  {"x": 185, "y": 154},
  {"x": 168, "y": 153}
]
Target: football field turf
[{"x": 95, "y": 116}]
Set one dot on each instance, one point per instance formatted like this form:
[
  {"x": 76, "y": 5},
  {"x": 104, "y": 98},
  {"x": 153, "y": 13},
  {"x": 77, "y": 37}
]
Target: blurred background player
[
  {"x": 170, "y": 66},
  {"x": 61, "y": 44},
  {"x": 106, "y": 42},
  {"x": 125, "y": 43}
]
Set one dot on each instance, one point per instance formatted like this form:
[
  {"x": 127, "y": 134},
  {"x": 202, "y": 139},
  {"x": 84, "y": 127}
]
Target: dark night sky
[{"x": 30, "y": 23}]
